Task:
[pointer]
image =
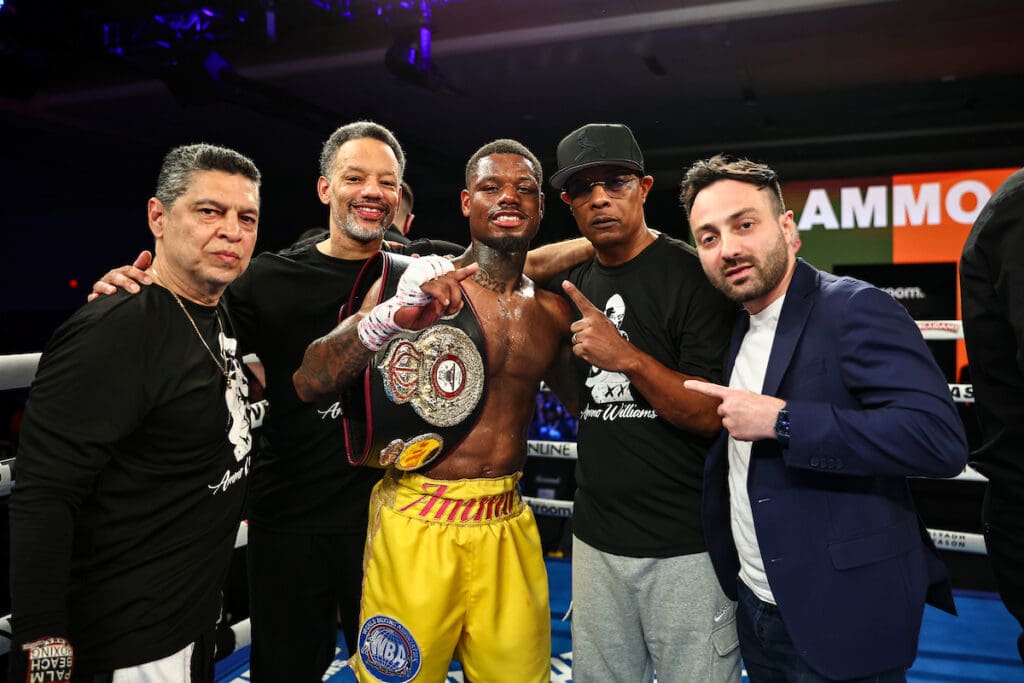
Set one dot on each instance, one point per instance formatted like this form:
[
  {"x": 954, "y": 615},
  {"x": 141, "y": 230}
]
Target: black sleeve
[
  {"x": 86, "y": 397},
  {"x": 1009, "y": 278},
  {"x": 554, "y": 285},
  {"x": 238, "y": 298},
  {"x": 425, "y": 246},
  {"x": 705, "y": 328}
]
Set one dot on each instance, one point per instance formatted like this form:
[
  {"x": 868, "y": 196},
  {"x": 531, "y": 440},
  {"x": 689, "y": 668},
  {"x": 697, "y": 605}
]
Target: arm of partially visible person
[
  {"x": 544, "y": 263},
  {"x": 596, "y": 340},
  {"x": 78, "y": 406},
  {"x": 1011, "y": 283},
  {"x": 905, "y": 424},
  {"x": 1009, "y": 280},
  {"x": 560, "y": 376},
  {"x": 427, "y": 291},
  {"x": 125, "y": 277},
  {"x": 992, "y": 291}
]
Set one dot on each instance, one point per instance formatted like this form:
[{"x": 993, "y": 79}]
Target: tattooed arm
[
  {"x": 427, "y": 291},
  {"x": 334, "y": 360}
]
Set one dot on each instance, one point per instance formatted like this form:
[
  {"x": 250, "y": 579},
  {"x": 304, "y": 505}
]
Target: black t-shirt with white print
[
  {"x": 130, "y": 483},
  {"x": 638, "y": 477}
]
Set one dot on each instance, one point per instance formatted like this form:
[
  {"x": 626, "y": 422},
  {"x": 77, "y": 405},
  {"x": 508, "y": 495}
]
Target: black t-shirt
[
  {"x": 992, "y": 286},
  {"x": 131, "y": 478},
  {"x": 638, "y": 477},
  {"x": 301, "y": 481}
]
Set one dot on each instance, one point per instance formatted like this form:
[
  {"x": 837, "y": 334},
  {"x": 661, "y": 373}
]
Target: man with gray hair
[{"x": 135, "y": 450}]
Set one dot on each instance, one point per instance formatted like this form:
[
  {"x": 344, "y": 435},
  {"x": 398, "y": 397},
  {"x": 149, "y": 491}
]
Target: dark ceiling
[{"x": 92, "y": 93}]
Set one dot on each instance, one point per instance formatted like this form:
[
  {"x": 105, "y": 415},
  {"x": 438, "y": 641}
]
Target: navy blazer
[{"x": 847, "y": 557}]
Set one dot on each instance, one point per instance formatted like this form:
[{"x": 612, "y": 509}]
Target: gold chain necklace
[{"x": 222, "y": 366}]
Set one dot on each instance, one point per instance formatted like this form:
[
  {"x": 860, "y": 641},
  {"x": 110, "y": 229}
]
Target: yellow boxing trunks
[{"x": 452, "y": 568}]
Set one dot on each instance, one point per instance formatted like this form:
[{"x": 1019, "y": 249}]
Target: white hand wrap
[{"x": 378, "y": 327}]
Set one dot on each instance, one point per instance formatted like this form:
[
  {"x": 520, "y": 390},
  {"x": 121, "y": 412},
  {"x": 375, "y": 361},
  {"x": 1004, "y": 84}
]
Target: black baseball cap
[{"x": 597, "y": 144}]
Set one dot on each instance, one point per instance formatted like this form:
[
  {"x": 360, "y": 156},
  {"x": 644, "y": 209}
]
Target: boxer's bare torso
[{"x": 525, "y": 334}]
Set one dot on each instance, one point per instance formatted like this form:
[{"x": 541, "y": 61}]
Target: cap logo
[{"x": 586, "y": 144}]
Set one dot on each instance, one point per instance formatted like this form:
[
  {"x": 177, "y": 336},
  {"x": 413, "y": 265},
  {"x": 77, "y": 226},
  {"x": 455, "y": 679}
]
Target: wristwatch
[{"x": 782, "y": 427}]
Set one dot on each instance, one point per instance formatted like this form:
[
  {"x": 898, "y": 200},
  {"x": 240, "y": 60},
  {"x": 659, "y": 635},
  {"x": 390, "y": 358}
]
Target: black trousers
[
  {"x": 298, "y": 586},
  {"x": 1002, "y": 518}
]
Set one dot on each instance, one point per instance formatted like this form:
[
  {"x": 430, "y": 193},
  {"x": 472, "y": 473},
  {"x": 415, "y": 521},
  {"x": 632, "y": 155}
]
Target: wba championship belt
[{"x": 420, "y": 394}]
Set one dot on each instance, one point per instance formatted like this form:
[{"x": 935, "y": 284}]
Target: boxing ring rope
[
  {"x": 18, "y": 370},
  {"x": 941, "y": 330}
]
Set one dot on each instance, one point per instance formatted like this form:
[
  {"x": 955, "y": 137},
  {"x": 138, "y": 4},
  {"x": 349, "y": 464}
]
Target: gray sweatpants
[{"x": 633, "y": 617}]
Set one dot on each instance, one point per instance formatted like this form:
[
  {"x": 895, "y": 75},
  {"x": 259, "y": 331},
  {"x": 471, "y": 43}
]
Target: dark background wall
[{"x": 92, "y": 94}]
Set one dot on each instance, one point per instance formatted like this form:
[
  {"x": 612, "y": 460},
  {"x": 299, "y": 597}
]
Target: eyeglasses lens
[{"x": 581, "y": 188}]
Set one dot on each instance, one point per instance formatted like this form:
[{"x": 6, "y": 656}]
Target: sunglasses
[{"x": 581, "y": 188}]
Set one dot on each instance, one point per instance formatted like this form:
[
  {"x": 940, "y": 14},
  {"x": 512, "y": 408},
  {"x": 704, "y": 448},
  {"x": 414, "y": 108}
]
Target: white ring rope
[
  {"x": 941, "y": 330},
  {"x": 18, "y": 370},
  {"x": 561, "y": 450},
  {"x": 960, "y": 541},
  {"x": 566, "y": 450}
]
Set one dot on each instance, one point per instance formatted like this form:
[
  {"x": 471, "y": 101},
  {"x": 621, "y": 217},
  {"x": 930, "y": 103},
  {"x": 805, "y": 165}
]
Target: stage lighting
[{"x": 408, "y": 59}]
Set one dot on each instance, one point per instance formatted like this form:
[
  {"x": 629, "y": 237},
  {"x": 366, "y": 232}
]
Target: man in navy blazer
[{"x": 833, "y": 401}]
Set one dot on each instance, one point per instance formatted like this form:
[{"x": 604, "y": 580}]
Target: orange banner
[{"x": 933, "y": 212}]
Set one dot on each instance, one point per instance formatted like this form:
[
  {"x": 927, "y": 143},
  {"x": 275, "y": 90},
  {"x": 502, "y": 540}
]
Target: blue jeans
[{"x": 769, "y": 653}]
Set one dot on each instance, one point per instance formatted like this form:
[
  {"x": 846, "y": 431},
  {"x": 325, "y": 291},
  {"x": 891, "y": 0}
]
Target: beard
[
  {"x": 765, "y": 274},
  {"x": 508, "y": 244},
  {"x": 350, "y": 226}
]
